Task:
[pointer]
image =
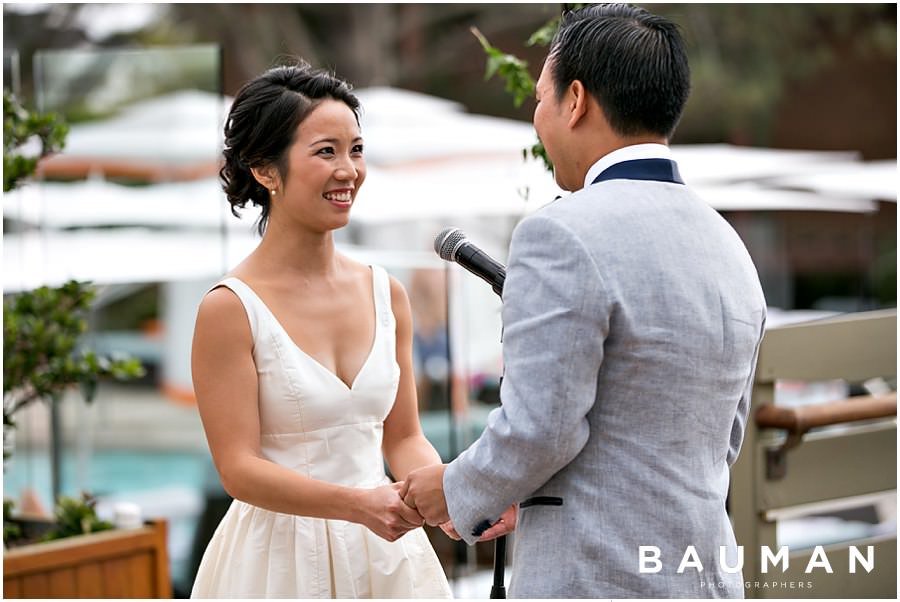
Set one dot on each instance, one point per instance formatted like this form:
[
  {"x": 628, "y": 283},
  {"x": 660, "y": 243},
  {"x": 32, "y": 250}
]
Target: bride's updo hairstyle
[{"x": 262, "y": 123}]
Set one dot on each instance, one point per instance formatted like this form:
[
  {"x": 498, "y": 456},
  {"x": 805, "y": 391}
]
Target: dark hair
[
  {"x": 262, "y": 123},
  {"x": 634, "y": 63}
]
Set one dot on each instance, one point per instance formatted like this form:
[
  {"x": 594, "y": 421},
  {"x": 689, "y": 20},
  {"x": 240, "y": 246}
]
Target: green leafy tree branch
[
  {"x": 41, "y": 355},
  {"x": 514, "y": 71},
  {"x": 21, "y": 126}
]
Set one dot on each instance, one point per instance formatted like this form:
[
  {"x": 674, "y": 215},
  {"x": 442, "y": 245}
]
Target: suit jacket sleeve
[
  {"x": 743, "y": 409},
  {"x": 555, "y": 321}
]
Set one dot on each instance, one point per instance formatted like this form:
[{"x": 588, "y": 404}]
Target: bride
[{"x": 302, "y": 368}]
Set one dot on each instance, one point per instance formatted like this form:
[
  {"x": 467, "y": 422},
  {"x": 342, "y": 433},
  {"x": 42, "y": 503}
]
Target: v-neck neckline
[{"x": 316, "y": 362}]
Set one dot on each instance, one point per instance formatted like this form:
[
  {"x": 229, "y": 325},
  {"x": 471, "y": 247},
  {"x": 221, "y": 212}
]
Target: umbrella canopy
[
  {"x": 430, "y": 163},
  {"x": 859, "y": 180}
]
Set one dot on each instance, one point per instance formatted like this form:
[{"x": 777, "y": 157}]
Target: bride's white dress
[{"x": 313, "y": 423}]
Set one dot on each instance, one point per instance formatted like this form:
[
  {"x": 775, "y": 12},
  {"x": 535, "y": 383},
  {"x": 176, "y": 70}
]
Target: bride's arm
[
  {"x": 405, "y": 446},
  {"x": 225, "y": 383}
]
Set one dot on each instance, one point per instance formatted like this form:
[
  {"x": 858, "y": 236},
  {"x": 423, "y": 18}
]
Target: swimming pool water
[{"x": 106, "y": 472}]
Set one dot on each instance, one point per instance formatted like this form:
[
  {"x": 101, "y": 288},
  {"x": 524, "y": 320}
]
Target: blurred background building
[{"x": 790, "y": 132}]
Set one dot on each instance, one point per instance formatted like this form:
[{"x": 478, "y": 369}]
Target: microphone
[{"x": 451, "y": 245}]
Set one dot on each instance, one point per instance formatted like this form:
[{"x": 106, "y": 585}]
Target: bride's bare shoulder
[{"x": 221, "y": 311}]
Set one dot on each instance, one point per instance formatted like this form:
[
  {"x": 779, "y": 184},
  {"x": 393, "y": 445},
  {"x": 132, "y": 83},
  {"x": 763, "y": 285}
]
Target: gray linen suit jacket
[{"x": 632, "y": 318}]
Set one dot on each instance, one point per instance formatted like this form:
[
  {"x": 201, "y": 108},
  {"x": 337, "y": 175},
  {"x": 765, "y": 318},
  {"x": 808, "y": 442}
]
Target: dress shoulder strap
[
  {"x": 382, "y": 286},
  {"x": 248, "y": 298}
]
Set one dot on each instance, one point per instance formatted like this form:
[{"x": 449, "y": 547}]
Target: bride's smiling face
[{"x": 325, "y": 169}]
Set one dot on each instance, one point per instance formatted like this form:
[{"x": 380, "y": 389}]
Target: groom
[{"x": 632, "y": 319}]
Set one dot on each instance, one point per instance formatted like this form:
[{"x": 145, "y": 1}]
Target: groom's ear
[{"x": 576, "y": 102}]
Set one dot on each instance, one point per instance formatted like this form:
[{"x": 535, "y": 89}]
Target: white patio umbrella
[
  {"x": 728, "y": 164},
  {"x": 180, "y": 127},
  {"x": 871, "y": 180}
]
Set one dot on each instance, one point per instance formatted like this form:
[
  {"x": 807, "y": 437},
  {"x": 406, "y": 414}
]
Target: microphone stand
[
  {"x": 498, "y": 589},
  {"x": 460, "y": 551}
]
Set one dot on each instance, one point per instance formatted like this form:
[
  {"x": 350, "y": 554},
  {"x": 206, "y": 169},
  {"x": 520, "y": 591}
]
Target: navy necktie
[{"x": 660, "y": 170}]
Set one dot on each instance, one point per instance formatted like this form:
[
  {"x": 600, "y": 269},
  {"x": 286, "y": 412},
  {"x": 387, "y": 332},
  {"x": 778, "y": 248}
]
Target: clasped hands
[
  {"x": 423, "y": 491},
  {"x": 390, "y": 511}
]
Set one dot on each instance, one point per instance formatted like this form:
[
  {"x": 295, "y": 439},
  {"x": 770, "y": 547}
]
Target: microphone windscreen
[{"x": 446, "y": 242}]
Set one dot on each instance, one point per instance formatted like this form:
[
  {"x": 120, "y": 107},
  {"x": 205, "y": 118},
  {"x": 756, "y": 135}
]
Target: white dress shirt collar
[{"x": 627, "y": 153}]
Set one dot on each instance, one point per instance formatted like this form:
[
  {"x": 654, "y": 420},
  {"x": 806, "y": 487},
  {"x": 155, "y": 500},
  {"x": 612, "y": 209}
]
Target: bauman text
[{"x": 650, "y": 562}]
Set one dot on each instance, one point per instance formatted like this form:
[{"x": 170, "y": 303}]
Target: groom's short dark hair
[{"x": 634, "y": 63}]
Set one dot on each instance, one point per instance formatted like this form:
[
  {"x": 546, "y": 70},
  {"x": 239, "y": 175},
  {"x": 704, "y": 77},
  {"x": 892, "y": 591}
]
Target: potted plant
[
  {"x": 72, "y": 516},
  {"x": 77, "y": 555}
]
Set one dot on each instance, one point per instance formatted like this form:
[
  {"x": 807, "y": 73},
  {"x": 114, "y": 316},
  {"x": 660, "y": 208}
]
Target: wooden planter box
[{"x": 122, "y": 563}]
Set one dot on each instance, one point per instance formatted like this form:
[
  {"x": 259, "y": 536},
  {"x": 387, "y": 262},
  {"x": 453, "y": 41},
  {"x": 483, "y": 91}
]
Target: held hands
[
  {"x": 424, "y": 491},
  {"x": 390, "y": 511},
  {"x": 384, "y": 513}
]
